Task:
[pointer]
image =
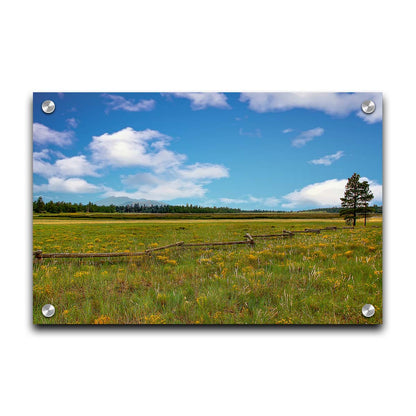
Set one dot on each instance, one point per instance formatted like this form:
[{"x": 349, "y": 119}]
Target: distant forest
[{"x": 39, "y": 206}]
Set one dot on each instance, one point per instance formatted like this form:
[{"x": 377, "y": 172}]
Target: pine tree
[
  {"x": 355, "y": 201},
  {"x": 367, "y": 196},
  {"x": 39, "y": 205}
]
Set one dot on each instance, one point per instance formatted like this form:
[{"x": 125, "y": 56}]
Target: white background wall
[{"x": 207, "y": 46}]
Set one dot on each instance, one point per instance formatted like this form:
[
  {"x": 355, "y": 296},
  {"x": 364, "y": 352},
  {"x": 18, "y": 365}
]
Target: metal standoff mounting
[
  {"x": 48, "y": 310},
  {"x": 48, "y": 106},
  {"x": 368, "y": 310},
  {"x": 368, "y": 106}
]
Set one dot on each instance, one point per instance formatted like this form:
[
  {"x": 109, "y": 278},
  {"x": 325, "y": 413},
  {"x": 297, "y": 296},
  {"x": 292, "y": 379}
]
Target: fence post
[
  {"x": 250, "y": 239},
  {"x": 38, "y": 255}
]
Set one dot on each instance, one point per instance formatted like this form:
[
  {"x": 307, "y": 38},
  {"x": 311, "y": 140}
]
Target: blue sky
[{"x": 276, "y": 151}]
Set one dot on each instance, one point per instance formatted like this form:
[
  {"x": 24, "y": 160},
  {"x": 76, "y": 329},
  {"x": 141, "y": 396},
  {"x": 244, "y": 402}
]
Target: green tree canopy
[{"x": 356, "y": 198}]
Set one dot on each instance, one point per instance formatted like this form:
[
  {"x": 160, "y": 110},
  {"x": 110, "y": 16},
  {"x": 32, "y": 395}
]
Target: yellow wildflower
[
  {"x": 154, "y": 320},
  {"x": 102, "y": 320},
  {"x": 201, "y": 301}
]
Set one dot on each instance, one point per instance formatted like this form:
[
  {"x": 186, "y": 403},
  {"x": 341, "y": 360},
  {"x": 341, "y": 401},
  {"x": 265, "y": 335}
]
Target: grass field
[{"x": 309, "y": 279}]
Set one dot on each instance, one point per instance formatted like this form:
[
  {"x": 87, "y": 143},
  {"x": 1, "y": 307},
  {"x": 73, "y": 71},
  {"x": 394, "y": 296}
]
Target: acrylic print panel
[{"x": 207, "y": 208}]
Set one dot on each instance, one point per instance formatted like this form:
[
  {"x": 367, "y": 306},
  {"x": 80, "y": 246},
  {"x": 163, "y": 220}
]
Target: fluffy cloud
[
  {"x": 72, "y": 122},
  {"x": 335, "y": 104},
  {"x": 287, "y": 131},
  {"x": 201, "y": 100},
  {"x": 325, "y": 194},
  {"x": 71, "y": 185},
  {"x": 75, "y": 166},
  {"x": 262, "y": 201},
  {"x": 255, "y": 133},
  {"x": 270, "y": 201},
  {"x": 139, "y": 179},
  {"x": 44, "y": 135},
  {"x": 328, "y": 159},
  {"x": 43, "y": 154},
  {"x": 307, "y": 136},
  {"x": 129, "y": 147},
  {"x": 163, "y": 190},
  {"x": 117, "y": 102},
  {"x": 233, "y": 201},
  {"x": 186, "y": 182},
  {"x": 63, "y": 168},
  {"x": 169, "y": 178},
  {"x": 203, "y": 171}
]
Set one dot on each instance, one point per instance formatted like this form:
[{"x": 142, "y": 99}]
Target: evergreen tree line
[
  {"x": 376, "y": 209},
  {"x": 40, "y": 206},
  {"x": 348, "y": 211}
]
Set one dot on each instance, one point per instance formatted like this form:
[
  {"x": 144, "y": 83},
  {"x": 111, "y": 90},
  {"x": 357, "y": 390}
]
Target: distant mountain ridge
[{"x": 124, "y": 200}]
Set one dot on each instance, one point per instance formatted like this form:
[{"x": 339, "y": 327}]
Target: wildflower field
[{"x": 321, "y": 278}]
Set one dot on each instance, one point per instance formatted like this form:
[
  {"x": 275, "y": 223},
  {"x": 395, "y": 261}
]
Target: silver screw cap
[
  {"x": 368, "y": 107},
  {"x": 48, "y": 310},
  {"x": 368, "y": 310},
  {"x": 48, "y": 106}
]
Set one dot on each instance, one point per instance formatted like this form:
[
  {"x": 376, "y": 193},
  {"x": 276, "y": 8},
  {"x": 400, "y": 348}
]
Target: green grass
[{"x": 310, "y": 279}]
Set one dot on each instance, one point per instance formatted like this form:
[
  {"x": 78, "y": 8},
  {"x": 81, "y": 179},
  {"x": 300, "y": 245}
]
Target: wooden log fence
[
  {"x": 250, "y": 239},
  {"x": 285, "y": 235},
  {"x": 219, "y": 243},
  {"x": 39, "y": 254}
]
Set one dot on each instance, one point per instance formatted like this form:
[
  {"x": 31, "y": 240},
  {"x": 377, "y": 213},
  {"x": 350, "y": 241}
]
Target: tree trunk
[{"x": 355, "y": 211}]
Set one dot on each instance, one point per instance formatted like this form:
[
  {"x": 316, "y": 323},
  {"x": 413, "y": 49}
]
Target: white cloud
[
  {"x": 270, "y": 201},
  {"x": 328, "y": 159},
  {"x": 335, "y": 104},
  {"x": 169, "y": 178},
  {"x": 186, "y": 182},
  {"x": 43, "y": 154},
  {"x": 72, "y": 122},
  {"x": 326, "y": 194},
  {"x": 117, "y": 102},
  {"x": 65, "y": 167},
  {"x": 233, "y": 201},
  {"x": 307, "y": 136},
  {"x": 287, "y": 131},
  {"x": 201, "y": 100},
  {"x": 75, "y": 166},
  {"x": 43, "y": 135},
  {"x": 203, "y": 171},
  {"x": 164, "y": 190},
  {"x": 140, "y": 179},
  {"x": 129, "y": 147},
  {"x": 71, "y": 185},
  {"x": 255, "y": 133},
  {"x": 376, "y": 189}
]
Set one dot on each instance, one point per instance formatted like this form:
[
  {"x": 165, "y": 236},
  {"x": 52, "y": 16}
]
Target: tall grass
[{"x": 311, "y": 279}]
